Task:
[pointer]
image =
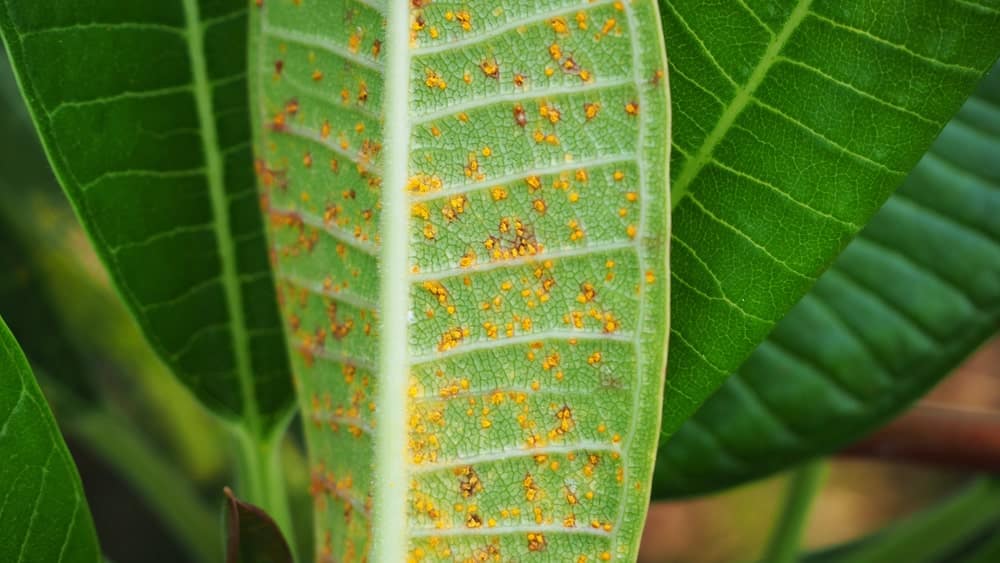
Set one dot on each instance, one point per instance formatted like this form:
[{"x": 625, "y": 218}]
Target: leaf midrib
[
  {"x": 390, "y": 525},
  {"x": 202, "y": 91},
  {"x": 744, "y": 94}
]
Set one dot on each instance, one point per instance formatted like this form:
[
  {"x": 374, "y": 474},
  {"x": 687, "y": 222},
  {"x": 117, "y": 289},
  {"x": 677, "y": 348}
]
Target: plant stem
[
  {"x": 260, "y": 478},
  {"x": 785, "y": 541},
  {"x": 161, "y": 485},
  {"x": 928, "y": 533}
]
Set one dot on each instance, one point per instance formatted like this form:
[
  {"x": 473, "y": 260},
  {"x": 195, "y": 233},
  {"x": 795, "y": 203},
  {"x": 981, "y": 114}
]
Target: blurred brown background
[{"x": 859, "y": 497}]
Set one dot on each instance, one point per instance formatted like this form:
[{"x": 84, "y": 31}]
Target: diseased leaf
[
  {"x": 468, "y": 211},
  {"x": 43, "y": 513},
  {"x": 913, "y": 295},
  {"x": 142, "y": 108},
  {"x": 794, "y": 123},
  {"x": 251, "y": 535}
]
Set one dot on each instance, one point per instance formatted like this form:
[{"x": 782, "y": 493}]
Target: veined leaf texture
[{"x": 468, "y": 214}]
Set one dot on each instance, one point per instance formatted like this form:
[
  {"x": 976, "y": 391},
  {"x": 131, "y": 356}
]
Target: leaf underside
[
  {"x": 142, "y": 108},
  {"x": 43, "y": 514},
  {"x": 532, "y": 221},
  {"x": 793, "y": 123},
  {"x": 914, "y": 294}
]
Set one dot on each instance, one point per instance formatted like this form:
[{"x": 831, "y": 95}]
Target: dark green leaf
[
  {"x": 793, "y": 122},
  {"x": 142, "y": 108},
  {"x": 43, "y": 513},
  {"x": 251, "y": 535},
  {"x": 912, "y": 296}
]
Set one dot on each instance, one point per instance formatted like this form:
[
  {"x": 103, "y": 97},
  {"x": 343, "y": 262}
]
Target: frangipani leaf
[
  {"x": 469, "y": 221},
  {"x": 794, "y": 122},
  {"x": 913, "y": 295},
  {"x": 142, "y": 108},
  {"x": 43, "y": 513}
]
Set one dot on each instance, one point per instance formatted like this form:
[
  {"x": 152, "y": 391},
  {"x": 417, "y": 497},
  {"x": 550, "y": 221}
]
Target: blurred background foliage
[{"x": 154, "y": 462}]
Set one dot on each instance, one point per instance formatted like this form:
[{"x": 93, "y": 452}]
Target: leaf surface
[
  {"x": 43, "y": 513},
  {"x": 915, "y": 293},
  {"x": 468, "y": 211},
  {"x": 142, "y": 108},
  {"x": 251, "y": 535},
  {"x": 794, "y": 121}
]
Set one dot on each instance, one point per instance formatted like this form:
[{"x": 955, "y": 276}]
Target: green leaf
[
  {"x": 251, "y": 535},
  {"x": 469, "y": 216},
  {"x": 43, "y": 513},
  {"x": 794, "y": 121},
  {"x": 931, "y": 535},
  {"x": 911, "y": 297},
  {"x": 142, "y": 110}
]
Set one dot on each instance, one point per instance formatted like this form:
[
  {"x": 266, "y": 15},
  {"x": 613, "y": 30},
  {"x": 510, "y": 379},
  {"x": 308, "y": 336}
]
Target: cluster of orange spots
[
  {"x": 423, "y": 183},
  {"x": 594, "y": 358},
  {"x": 324, "y": 411},
  {"x": 490, "y": 68},
  {"x": 469, "y": 483},
  {"x": 463, "y": 17},
  {"x": 536, "y": 541},
  {"x": 270, "y": 178},
  {"x": 454, "y": 207},
  {"x": 565, "y": 417},
  {"x": 591, "y": 109},
  {"x": 559, "y": 25},
  {"x": 632, "y": 108},
  {"x": 337, "y": 329},
  {"x": 523, "y": 243},
  {"x": 307, "y": 237},
  {"x": 420, "y": 211},
  {"x": 424, "y": 504},
  {"x": 587, "y": 293},
  {"x": 467, "y": 260},
  {"x": 433, "y": 80},
  {"x": 531, "y": 490},
  {"x": 541, "y": 137},
  {"x": 452, "y": 338},
  {"x": 324, "y": 483},
  {"x": 519, "y": 80},
  {"x": 575, "y": 230},
  {"x": 520, "y": 117},
  {"x": 549, "y": 112},
  {"x": 440, "y": 293},
  {"x": 471, "y": 168}
]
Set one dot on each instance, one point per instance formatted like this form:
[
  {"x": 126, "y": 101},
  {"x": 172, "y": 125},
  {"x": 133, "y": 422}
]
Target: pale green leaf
[{"x": 469, "y": 219}]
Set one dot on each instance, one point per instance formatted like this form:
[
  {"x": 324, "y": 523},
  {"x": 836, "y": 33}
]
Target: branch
[{"x": 939, "y": 435}]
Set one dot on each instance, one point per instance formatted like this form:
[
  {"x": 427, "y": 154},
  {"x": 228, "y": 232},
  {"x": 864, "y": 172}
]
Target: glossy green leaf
[
  {"x": 43, "y": 513},
  {"x": 908, "y": 299},
  {"x": 468, "y": 210},
  {"x": 142, "y": 108},
  {"x": 794, "y": 121}
]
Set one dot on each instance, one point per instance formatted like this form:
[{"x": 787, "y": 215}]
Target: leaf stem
[
  {"x": 170, "y": 496},
  {"x": 786, "y": 539},
  {"x": 260, "y": 479},
  {"x": 931, "y": 532}
]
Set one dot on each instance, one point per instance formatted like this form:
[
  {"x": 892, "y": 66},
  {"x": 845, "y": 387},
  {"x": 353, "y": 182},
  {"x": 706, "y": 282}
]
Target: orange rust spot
[{"x": 490, "y": 68}]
